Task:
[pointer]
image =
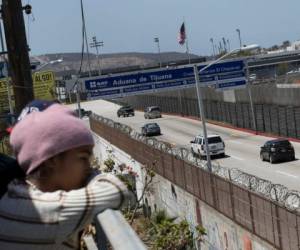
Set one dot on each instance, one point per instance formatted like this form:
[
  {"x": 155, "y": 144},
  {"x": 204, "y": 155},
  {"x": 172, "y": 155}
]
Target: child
[
  {"x": 9, "y": 167},
  {"x": 56, "y": 200}
]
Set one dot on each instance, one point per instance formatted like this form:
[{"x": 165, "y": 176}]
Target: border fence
[
  {"x": 269, "y": 211},
  {"x": 273, "y": 119}
]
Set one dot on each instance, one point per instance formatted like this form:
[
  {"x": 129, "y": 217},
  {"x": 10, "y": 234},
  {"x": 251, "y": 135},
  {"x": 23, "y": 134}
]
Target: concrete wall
[
  {"x": 223, "y": 234},
  {"x": 261, "y": 94}
]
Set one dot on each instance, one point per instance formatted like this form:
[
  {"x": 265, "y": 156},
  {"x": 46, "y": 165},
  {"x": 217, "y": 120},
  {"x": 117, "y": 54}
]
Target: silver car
[{"x": 152, "y": 112}]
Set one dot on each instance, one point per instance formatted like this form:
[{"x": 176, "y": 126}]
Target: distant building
[
  {"x": 294, "y": 46},
  {"x": 276, "y": 51}
]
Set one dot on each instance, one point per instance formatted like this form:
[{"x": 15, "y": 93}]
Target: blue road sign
[
  {"x": 156, "y": 80},
  {"x": 231, "y": 85}
]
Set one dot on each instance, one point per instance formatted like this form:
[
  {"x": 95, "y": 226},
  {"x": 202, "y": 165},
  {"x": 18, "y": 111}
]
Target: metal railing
[{"x": 112, "y": 228}]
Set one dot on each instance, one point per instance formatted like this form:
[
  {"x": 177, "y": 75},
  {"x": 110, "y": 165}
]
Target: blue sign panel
[
  {"x": 138, "y": 78},
  {"x": 231, "y": 76},
  {"x": 168, "y": 84},
  {"x": 137, "y": 88},
  {"x": 163, "y": 75},
  {"x": 104, "y": 92},
  {"x": 149, "y": 81},
  {"x": 231, "y": 85},
  {"x": 224, "y": 67}
]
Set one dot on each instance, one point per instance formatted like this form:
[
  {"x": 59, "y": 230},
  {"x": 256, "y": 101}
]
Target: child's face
[{"x": 73, "y": 168}]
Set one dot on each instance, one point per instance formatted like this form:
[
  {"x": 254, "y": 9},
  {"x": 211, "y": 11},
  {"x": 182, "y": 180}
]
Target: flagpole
[
  {"x": 187, "y": 41},
  {"x": 188, "y": 51}
]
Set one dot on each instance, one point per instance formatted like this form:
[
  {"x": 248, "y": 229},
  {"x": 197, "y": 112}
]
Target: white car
[
  {"x": 215, "y": 144},
  {"x": 252, "y": 77}
]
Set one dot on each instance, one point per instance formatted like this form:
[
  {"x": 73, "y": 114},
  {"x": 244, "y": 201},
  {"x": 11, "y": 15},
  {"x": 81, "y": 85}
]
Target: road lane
[{"x": 242, "y": 149}]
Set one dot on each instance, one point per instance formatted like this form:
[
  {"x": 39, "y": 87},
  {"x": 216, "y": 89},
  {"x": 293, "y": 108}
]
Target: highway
[{"x": 242, "y": 149}]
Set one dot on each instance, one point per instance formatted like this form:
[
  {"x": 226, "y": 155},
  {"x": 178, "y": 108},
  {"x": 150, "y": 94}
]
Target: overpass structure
[
  {"x": 265, "y": 67},
  {"x": 224, "y": 75}
]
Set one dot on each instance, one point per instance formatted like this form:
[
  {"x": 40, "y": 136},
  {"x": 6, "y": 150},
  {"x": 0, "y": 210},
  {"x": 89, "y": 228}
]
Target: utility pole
[
  {"x": 17, "y": 48},
  {"x": 96, "y": 44}
]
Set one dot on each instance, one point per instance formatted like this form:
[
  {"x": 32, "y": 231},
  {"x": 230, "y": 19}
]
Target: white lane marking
[
  {"x": 237, "y": 158},
  {"x": 237, "y": 142},
  {"x": 287, "y": 174}
]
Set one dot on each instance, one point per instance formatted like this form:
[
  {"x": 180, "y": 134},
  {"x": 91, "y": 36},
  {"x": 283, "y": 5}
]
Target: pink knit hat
[{"x": 42, "y": 135}]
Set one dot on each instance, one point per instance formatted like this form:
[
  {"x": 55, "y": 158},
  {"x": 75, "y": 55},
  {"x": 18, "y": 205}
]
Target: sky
[{"x": 131, "y": 25}]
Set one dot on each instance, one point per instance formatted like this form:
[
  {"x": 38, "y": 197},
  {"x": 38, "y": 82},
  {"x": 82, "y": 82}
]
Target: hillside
[{"x": 71, "y": 61}]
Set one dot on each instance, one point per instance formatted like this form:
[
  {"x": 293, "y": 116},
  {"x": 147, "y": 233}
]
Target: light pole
[
  {"x": 228, "y": 44},
  {"x": 199, "y": 95},
  {"x": 216, "y": 49},
  {"x": 96, "y": 44},
  {"x": 50, "y": 62},
  {"x": 156, "y": 40},
  {"x": 239, "y": 34},
  {"x": 225, "y": 45},
  {"x": 213, "y": 46},
  {"x": 220, "y": 46}
]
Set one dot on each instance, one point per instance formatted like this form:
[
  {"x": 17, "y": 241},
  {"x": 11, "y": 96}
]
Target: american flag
[{"x": 182, "y": 35}]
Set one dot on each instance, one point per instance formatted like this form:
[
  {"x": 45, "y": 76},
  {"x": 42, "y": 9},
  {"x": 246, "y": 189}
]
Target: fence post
[
  {"x": 251, "y": 211},
  {"x": 278, "y": 226},
  {"x": 231, "y": 195}
]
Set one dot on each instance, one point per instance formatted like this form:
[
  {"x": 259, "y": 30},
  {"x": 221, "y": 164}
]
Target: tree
[
  {"x": 282, "y": 68},
  {"x": 286, "y": 44}
]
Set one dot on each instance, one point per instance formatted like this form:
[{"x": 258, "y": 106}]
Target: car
[
  {"x": 215, "y": 143},
  {"x": 152, "y": 112},
  {"x": 125, "y": 111},
  {"x": 252, "y": 77},
  {"x": 83, "y": 112},
  {"x": 277, "y": 150},
  {"x": 295, "y": 71},
  {"x": 151, "y": 129}
]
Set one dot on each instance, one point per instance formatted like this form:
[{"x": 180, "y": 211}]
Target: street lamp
[
  {"x": 228, "y": 44},
  {"x": 50, "y": 62},
  {"x": 225, "y": 45},
  {"x": 213, "y": 46},
  {"x": 199, "y": 95},
  {"x": 156, "y": 40},
  {"x": 239, "y": 34}
]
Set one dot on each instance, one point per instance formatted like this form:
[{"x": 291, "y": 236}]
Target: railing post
[{"x": 101, "y": 239}]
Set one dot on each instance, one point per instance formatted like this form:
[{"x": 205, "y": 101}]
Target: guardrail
[
  {"x": 269, "y": 211},
  {"x": 112, "y": 228}
]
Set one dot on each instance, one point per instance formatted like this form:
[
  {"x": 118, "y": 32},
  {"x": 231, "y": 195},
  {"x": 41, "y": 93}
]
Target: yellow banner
[
  {"x": 43, "y": 85},
  {"x": 4, "y": 95}
]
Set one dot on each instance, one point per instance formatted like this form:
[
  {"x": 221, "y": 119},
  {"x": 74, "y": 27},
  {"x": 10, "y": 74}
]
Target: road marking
[
  {"x": 237, "y": 158},
  {"x": 237, "y": 142},
  {"x": 287, "y": 174}
]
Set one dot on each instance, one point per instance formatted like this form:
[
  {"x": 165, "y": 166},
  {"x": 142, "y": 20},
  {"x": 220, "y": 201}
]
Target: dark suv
[
  {"x": 277, "y": 150},
  {"x": 83, "y": 112},
  {"x": 125, "y": 111},
  {"x": 151, "y": 129}
]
